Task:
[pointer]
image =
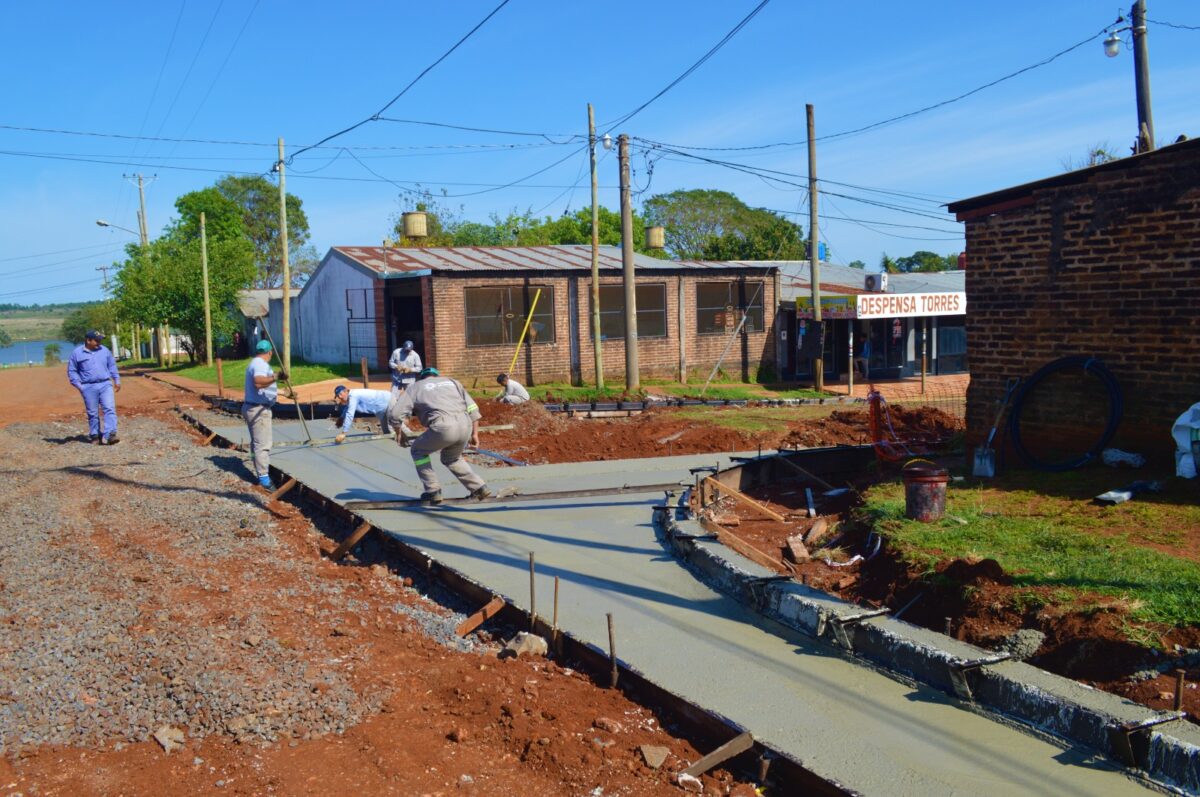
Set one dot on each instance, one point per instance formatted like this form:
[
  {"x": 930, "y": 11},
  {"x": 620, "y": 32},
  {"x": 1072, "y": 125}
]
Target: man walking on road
[
  {"x": 365, "y": 400},
  {"x": 514, "y": 391},
  {"x": 405, "y": 364},
  {"x": 93, "y": 372},
  {"x": 260, "y": 393},
  {"x": 451, "y": 420}
]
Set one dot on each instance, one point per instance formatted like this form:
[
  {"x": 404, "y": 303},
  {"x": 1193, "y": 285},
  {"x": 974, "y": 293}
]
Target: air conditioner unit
[{"x": 876, "y": 282}]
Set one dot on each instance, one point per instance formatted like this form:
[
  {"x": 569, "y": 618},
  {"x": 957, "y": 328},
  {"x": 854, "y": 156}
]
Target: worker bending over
[
  {"x": 514, "y": 392},
  {"x": 451, "y": 420},
  {"x": 362, "y": 399}
]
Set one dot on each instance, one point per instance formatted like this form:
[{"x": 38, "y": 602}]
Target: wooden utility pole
[
  {"x": 1141, "y": 76},
  {"x": 143, "y": 228},
  {"x": 599, "y": 356},
  {"x": 204, "y": 275},
  {"x": 286, "y": 321},
  {"x": 814, "y": 261},
  {"x": 629, "y": 277}
]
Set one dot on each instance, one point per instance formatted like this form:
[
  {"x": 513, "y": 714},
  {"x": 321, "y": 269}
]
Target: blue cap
[
  {"x": 408, "y": 345},
  {"x": 339, "y": 390},
  {"x": 93, "y": 334},
  {"x": 263, "y": 346}
]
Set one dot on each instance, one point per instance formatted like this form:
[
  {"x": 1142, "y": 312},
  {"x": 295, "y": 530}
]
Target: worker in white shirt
[
  {"x": 364, "y": 400},
  {"x": 514, "y": 392},
  {"x": 405, "y": 364}
]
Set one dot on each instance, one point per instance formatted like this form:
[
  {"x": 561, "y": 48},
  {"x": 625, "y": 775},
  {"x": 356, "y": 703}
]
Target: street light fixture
[
  {"x": 1112, "y": 44},
  {"x": 103, "y": 223}
]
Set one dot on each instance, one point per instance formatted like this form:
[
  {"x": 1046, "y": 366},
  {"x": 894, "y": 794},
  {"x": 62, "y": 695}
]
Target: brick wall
[
  {"x": 445, "y": 315},
  {"x": 1106, "y": 265}
]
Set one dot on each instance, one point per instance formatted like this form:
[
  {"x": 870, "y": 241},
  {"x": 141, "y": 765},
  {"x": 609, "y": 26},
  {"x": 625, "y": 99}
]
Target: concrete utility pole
[
  {"x": 105, "y": 270},
  {"x": 286, "y": 321},
  {"x": 629, "y": 277},
  {"x": 814, "y": 261},
  {"x": 204, "y": 275},
  {"x": 599, "y": 356},
  {"x": 143, "y": 228},
  {"x": 1141, "y": 77}
]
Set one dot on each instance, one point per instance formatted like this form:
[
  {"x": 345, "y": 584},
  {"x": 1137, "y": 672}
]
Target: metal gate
[{"x": 360, "y": 324}]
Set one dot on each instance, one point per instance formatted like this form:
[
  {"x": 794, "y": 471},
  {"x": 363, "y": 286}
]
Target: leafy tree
[
  {"x": 888, "y": 265},
  {"x": 5, "y": 338},
  {"x": 222, "y": 216},
  {"x": 856, "y": 264},
  {"x": 698, "y": 218},
  {"x": 258, "y": 200},
  {"x": 52, "y": 354},
  {"x": 101, "y": 316},
  {"x": 925, "y": 261}
]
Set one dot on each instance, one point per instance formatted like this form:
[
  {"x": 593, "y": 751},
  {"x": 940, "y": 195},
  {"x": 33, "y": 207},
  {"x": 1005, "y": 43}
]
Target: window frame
[
  {"x": 510, "y": 317},
  {"x": 746, "y": 289},
  {"x": 605, "y": 309}
]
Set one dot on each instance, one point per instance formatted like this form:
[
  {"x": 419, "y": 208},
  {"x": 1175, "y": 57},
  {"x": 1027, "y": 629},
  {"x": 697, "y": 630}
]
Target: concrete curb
[{"x": 1157, "y": 745}]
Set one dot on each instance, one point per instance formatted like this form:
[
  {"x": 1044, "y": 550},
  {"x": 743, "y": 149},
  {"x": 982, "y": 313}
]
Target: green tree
[
  {"x": 258, "y": 200},
  {"x": 5, "y": 338},
  {"x": 52, "y": 354},
  {"x": 926, "y": 261},
  {"x": 222, "y": 216},
  {"x": 856, "y": 264},
  {"x": 100, "y": 316},
  {"x": 888, "y": 264},
  {"x": 698, "y": 218}
]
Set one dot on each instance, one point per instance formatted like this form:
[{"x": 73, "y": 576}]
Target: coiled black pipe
[{"x": 1116, "y": 408}]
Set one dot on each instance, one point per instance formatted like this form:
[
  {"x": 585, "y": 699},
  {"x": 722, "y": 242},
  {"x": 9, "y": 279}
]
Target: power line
[
  {"x": 411, "y": 83},
  {"x": 49, "y": 288},
  {"x": 712, "y": 51},
  {"x": 547, "y": 136},
  {"x": 1173, "y": 25},
  {"x": 191, "y": 66},
  {"x": 860, "y": 221},
  {"x": 56, "y": 252},
  {"x": 46, "y": 268}
]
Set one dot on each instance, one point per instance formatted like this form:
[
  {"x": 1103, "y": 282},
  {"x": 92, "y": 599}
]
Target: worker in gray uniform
[{"x": 451, "y": 420}]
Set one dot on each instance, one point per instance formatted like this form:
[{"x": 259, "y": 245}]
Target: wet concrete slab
[{"x": 843, "y": 720}]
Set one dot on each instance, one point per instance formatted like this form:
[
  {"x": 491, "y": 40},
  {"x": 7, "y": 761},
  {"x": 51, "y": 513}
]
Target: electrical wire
[
  {"x": 49, "y": 288},
  {"x": 548, "y": 136},
  {"x": 712, "y": 51},
  {"x": 191, "y": 66},
  {"x": 1173, "y": 25},
  {"x": 56, "y": 252},
  {"x": 375, "y": 116}
]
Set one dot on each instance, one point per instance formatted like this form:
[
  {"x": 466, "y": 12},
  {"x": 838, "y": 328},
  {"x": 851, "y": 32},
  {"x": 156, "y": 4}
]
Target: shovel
[{"x": 985, "y": 456}]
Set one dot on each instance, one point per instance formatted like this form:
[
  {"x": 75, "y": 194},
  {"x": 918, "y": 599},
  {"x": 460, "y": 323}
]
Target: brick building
[
  {"x": 465, "y": 307},
  {"x": 1104, "y": 262}
]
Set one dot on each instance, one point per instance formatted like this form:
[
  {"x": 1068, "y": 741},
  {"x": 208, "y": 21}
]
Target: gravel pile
[{"x": 112, "y": 560}]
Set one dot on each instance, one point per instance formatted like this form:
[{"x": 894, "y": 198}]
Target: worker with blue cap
[
  {"x": 451, "y": 420},
  {"x": 93, "y": 372},
  {"x": 405, "y": 364},
  {"x": 258, "y": 399},
  {"x": 361, "y": 399}
]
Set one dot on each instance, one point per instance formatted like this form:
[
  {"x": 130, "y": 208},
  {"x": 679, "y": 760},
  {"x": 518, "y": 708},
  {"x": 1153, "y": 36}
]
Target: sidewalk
[
  {"x": 312, "y": 392},
  {"x": 908, "y": 387}
]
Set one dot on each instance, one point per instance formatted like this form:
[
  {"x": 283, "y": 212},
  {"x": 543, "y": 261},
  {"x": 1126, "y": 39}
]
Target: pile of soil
[{"x": 541, "y": 436}]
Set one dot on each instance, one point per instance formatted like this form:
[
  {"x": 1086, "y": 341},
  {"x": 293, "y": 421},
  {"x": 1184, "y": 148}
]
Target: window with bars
[
  {"x": 495, "y": 316},
  {"x": 651, "y": 311},
  {"x": 719, "y": 306}
]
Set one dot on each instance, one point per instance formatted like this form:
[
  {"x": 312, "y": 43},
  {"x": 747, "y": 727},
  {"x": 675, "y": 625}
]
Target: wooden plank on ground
[
  {"x": 735, "y": 746},
  {"x": 745, "y": 501},
  {"x": 350, "y": 542},
  {"x": 480, "y": 617},
  {"x": 287, "y": 485},
  {"x": 504, "y": 427},
  {"x": 736, "y": 543}
]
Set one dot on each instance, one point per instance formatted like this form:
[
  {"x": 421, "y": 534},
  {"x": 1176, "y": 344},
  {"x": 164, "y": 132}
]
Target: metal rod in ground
[
  {"x": 1179, "y": 683},
  {"x": 612, "y": 652},
  {"x": 532, "y": 600}
]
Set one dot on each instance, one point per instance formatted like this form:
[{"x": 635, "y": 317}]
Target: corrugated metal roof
[
  {"x": 846, "y": 281},
  {"x": 256, "y": 302},
  {"x": 571, "y": 257}
]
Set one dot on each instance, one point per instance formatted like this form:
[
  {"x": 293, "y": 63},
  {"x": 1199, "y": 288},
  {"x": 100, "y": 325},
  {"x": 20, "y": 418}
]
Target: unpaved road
[{"x": 145, "y": 586}]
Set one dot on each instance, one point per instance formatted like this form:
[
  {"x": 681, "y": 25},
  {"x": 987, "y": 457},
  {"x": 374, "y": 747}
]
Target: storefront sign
[
  {"x": 831, "y": 307},
  {"x": 911, "y": 305}
]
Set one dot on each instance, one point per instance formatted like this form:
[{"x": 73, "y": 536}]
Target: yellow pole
[{"x": 529, "y": 318}]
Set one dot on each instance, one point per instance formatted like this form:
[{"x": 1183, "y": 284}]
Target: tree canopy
[
  {"x": 920, "y": 261},
  {"x": 97, "y": 315},
  {"x": 258, "y": 200},
  {"x": 703, "y": 224}
]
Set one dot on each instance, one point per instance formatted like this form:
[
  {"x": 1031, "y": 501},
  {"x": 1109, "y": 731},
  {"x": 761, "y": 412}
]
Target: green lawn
[
  {"x": 615, "y": 391},
  {"x": 1046, "y": 533},
  {"x": 302, "y": 373},
  {"x": 753, "y": 419}
]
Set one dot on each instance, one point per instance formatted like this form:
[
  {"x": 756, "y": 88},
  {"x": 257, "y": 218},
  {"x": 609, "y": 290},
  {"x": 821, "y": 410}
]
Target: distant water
[{"x": 26, "y": 350}]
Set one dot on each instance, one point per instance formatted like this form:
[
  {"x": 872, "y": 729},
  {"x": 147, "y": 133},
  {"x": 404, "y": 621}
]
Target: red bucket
[{"x": 924, "y": 490}]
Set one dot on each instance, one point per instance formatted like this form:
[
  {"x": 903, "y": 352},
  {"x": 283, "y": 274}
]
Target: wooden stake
[
  {"x": 220, "y": 379},
  {"x": 365, "y": 378},
  {"x": 612, "y": 652},
  {"x": 735, "y": 746},
  {"x": 1179, "y": 683},
  {"x": 211, "y": 436},
  {"x": 532, "y": 595},
  {"x": 287, "y": 485},
  {"x": 742, "y": 499},
  {"x": 480, "y": 617},
  {"x": 350, "y": 542}
]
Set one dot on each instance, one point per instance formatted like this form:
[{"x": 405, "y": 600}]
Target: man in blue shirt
[
  {"x": 260, "y": 392},
  {"x": 93, "y": 372},
  {"x": 361, "y": 400}
]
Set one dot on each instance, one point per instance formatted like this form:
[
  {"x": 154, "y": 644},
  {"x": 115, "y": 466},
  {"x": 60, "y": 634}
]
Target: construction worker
[
  {"x": 93, "y": 372},
  {"x": 260, "y": 392},
  {"x": 361, "y": 399},
  {"x": 451, "y": 420},
  {"x": 514, "y": 392},
  {"x": 405, "y": 365}
]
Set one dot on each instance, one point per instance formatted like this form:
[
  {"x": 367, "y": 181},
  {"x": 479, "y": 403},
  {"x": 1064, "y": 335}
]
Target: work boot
[
  {"x": 264, "y": 481},
  {"x": 481, "y": 493},
  {"x": 431, "y": 498},
  {"x": 94, "y": 438},
  {"x": 112, "y": 439}
]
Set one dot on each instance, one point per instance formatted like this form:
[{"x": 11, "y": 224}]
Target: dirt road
[{"x": 146, "y": 589}]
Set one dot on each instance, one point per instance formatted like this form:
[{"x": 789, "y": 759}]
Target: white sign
[{"x": 911, "y": 305}]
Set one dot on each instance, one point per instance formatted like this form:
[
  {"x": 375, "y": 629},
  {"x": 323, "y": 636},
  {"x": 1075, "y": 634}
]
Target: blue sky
[{"x": 303, "y": 70}]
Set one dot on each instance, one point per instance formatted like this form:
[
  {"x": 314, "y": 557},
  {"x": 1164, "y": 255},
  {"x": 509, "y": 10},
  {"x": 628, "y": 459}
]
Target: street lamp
[
  {"x": 1141, "y": 70},
  {"x": 103, "y": 223}
]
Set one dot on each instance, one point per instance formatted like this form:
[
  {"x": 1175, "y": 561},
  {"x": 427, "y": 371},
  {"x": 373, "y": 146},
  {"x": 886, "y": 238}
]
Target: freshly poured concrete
[{"x": 843, "y": 720}]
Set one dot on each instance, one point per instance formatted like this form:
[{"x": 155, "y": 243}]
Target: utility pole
[
  {"x": 161, "y": 333},
  {"x": 1141, "y": 77},
  {"x": 814, "y": 261},
  {"x": 286, "y": 321},
  {"x": 595, "y": 252},
  {"x": 629, "y": 277},
  {"x": 105, "y": 270},
  {"x": 204, "y": 275}
]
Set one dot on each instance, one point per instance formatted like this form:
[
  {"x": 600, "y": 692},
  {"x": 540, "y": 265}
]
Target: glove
[
  {"x": 340, "y": 438},
  {"x": 402, "y": 440},
  {"x": 281, "y": 375}
]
